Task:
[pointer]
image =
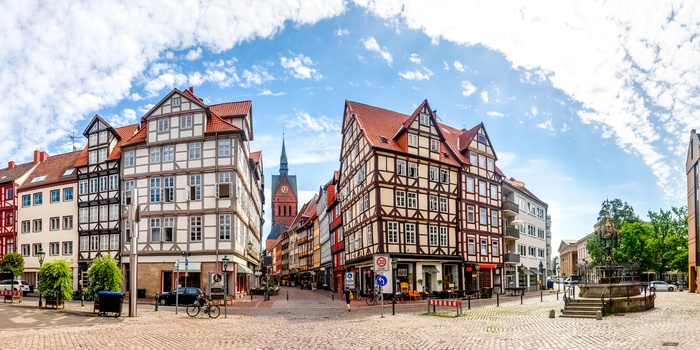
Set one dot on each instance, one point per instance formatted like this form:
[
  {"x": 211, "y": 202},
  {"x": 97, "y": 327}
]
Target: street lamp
[
  {"x": 558, "y": 278},
  {"x": 541, "y": 278},
  {"x": 41, "y": 255},
  {"x": 323, "y": 277},
  {"x": 186, "y": 254},
  {"x": 225, "y": 263},
  {"x": 522, "y": 274}
]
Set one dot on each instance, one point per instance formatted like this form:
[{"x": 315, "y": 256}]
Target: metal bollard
[
  {"x": 521, "y": 298},
  {"x": 82, "y": 298},
  {"x": 251, "y": 296},
  {"x": 287, "y": 296},
  {"x": 469, "y": 303},
  {"x": 498, "y": 302},
  {"x": 156, "y": 301},
  {"x": 557, "y": 295},
  {"x": 540, "y": 296},
  {"x": 332, "y": 297}
]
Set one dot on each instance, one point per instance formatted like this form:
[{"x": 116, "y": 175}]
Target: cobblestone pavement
[{"x": 313, "y": 320}]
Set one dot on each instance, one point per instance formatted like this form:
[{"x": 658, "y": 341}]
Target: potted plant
[
  {"x": 56, "y": 282},
  {"x": 420, "y": 283},
  {"x": 441, "y": 285}
]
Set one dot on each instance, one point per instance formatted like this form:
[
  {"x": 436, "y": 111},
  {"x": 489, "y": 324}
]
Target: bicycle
[
  {"x": 212, "y": 310},
  {"x": 355, "y": 296}
]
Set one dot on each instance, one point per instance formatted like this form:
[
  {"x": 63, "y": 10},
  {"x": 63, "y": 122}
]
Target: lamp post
[
  {"x": 393, "y": 274},
  {"x": 225, "y": 263},
  {"x": 558, "y": 278},
  {"x": 41, "y": 255},
  {"x": 542, "y": 276},
  {"x": 522, "y": 272},
  {"x": 186, "y": 254},
  {"x": 323, "y": 277}
]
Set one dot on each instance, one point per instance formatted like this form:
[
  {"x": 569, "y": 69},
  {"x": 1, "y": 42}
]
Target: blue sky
[{"x": 583, "y": 101}]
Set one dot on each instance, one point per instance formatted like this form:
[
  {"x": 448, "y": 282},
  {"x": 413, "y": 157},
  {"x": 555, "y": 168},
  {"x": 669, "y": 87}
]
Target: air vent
[{"x": 383, "y": 139}]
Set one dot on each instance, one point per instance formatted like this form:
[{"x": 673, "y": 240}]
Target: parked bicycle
[
  {"x": 202, "y": 304},
  {"x": 355, "y": 295}
]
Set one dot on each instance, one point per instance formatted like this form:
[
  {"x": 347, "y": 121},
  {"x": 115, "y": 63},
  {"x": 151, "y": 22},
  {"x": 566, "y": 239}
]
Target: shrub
[
  {"x": 56, "y": 280},
  {"x": 13, "y": 263},
  {"x": 104, "y": 274}
]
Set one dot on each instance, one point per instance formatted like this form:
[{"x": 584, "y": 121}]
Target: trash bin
[
  {"x": 141, "y": 293},
  {"x": 486, "y": 292},
  {"x": 110, "y": 302}
]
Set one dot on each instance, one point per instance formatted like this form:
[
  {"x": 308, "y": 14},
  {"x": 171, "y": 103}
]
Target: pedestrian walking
[{"x": 348, "y": 297}]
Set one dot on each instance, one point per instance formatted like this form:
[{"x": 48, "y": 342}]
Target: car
[
  {"x": 185, "y": 296},
  {"x": 19, "y": 285},
  {"x": 661, "y": 286}
]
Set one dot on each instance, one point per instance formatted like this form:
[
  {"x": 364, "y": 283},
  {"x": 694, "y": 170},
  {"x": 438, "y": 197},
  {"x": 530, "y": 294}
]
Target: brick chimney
[
  {"x": 44, "y": 156},
  {"x": 40, "y": 156},
  {"x": 10, "y": 165}
]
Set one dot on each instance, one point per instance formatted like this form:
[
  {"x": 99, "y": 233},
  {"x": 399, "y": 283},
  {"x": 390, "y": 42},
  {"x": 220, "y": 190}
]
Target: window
[
  {"x": 36, "y": 248},
  {"x": 370, "y": 238},
  {"x": 155, "y": 229},
  {"x": 55, "y": 224},
  {"x": 104, "y": 213},
  {"x": 26, "y": 200},
  {"x": 169, "y": 189},
  {"x": 494, "y": 191},
  {"x": 38, "y": 198},
  {"x": 444, "y": 176},
  {"x": 400, "y": 167},
  {"x": 101, "y": 155},
  {"x": 93, "y": 185},
  {"x": 55, "y": 196},
  {"x": 356, "y": 151},
  {"x": 113, "y": 212},
  {"x": 470, "y": 184},
  {"x": 68, "y": 222},
  {"x": 410, "y": 234},
  {"x": 472, "y": 158},
  {"x": 186, "y": 121},
  {"x": 94, "y": 243},
  {"x": 482, "y": 188},
  {"x": 67, "y": 194},
  {"x": 225, "y": 226},
  {"x": 92, "y": 157},
  {"x": 482, "y": 161},
  {"x": 540, "y": 253},
  {"x": 470, "y": 213},
  {"x": 443, "y": 236},
  {"x": 532, "y": 251},
  {"x": 154, "y": 155},
  {"x": 155, "y": 190},
  {"x": 103, "y": 137},
  {"x": 8, "y": 193},
  {"x": 103, "y": 183},
  {"x": 483, "y": 219},
  {"x": 168, "y": 152},
  {"x": 195, "y": 189},
  {"x": 434, "y": 145},
  {"x": 68, "y": 172},
  {"x": 393, "y": 232},
  {"x": 163, "y": 124},
  {"x": 412, "y": 140},
  {"x": 522, "y": 250},
  {"x": 67, "y": 248},
  {"x": 400, "y": 199},
  {"x": 494, "y": 248},
  {"x": 433, "y": 235},
  {"x": 54, "y": 248},
  {"x": 531, "y": 230},
  {"x": 94, "y": 214},
  {"x": 494, "y": 218},
  {"x": 175, "y": 102},
  {"x": 128, "y": 158},
  {"x": 411, "y": 200},
  {"x": 195, "y": 151},
  {"x": 489, "y": 164},
  {"x": 26, "y": 226},
  {"x": 84, "y": 243},
  {"x": 37, "y": 225},
  {"x": 82, "y": 187},
  {"x": 443, "y": 205},
  {"x": 540, "y": 233},
  {"x": 433, "y": 201},
  {"x": 224, "y": 147},
  {"x": 104, "y": 242},
  {"x": 83, "y": 215},
  {"x": 484, "y": 248},
  {"x": 10, "y": 221},
  {"x": 434, "y": 174},
  {"x": 364, "y": 203},
  {"x": 92, "y": 139},
  {"x": 412, "y": 170},
  {"x": 195, "y": 228},
  {"x": 25, "y": 249},
  {"x": 424, "y": 119},
  {"x": 114, "y": 242},
  {"x": 168, "y": 224},
  {"x": 480, "y": 138},
  {"x": 471, "y": 247}
]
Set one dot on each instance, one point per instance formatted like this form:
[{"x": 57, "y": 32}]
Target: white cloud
[
  {"x": 445, "y": 66},
  {"x": 415, "y": 58},
  {"x": 547, "y": 125},
  {"x": 417, "y": 74},
  {"x": 194, "y": 54},
  {"x": 267, "y": 92},
  {"x": 127, "y": 117},
  {"x": 494, "y": 114},
  {"x": 458, "y": 66},
  {"x": 300, "y": 67},
  {"x": 372, "y": 45},
  {"x": 306, "y": 122},
  {"x": 534, "y": 111},
  {"x": 484, "y": 96},
  {"x": 257, "y": 76},
  {"x": 342, "y": 32},
  {"x": 505, "y": 158},
  {"x": 468, "y": 88}
]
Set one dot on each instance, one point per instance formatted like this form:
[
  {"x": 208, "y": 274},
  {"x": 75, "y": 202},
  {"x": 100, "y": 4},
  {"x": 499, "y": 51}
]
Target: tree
[
  {"x": 104, "y": 274},
  {"x": 620, "y": 213},
  {"x": 633, "y": 238},
  {"x": 13, "y": 263},
  {"x": 56, "y": 280},
  {"x": 668, "y": 242}
]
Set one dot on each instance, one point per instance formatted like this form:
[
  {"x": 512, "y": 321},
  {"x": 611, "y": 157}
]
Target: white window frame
[
  {"x": 154, "y": 155},
  {"x": 224, "y": 148},
  {"x": 163, "y": 124},
  {"x": 433, "y": 235},
  {"x": 412, "y": 140},
  {"x": 410, "y": 233},
  {"x": 400, "y": 167},
  {"x": 471, "y": 246},
  {"x": 401, "y": 199},
  {"x": 443, "y": 237},
  {"x": 392, "y": 232},
  {"x": 129, "y": 159},
  {"x": 470, "y": 213},
  {"x": 194, "y": 151},
  {"x": 186, "y": 121},
  {"x": 412, "y": 170},
  {"x": 494, "y": 218},
  {"x": 434, "y": 145},
  {"x": 412, "y": 200}
]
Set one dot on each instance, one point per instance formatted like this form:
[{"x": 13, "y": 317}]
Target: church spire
[{"x": 283, "y": 159}]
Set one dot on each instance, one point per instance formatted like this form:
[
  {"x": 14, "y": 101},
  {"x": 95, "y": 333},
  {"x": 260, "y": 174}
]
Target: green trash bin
[{"x": 486, "y": 292}]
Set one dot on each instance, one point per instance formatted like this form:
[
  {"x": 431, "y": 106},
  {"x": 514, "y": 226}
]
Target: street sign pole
[{"x": 381, "y": 290}]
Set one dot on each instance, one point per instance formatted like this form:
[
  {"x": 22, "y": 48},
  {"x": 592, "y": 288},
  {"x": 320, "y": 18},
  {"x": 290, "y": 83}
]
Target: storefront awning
[
  {"x": 430, "y": 269},
  {"x": 535, "y": 271},
  {"x": 487, "y": 266},
  {"x": 242, "y": 269}
]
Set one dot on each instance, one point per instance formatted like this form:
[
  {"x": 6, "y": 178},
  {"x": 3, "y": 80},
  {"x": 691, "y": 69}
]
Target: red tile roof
[
  {"x": 255, "y": 156},
  {"x": 54, "y": 168},
  {"x": 216, "y": 124},
  {"x": 124, "y": 132},
  {"x": 10, "y": 175},
  {"x": 232, "y": 109},
  {"x": 139, "y": 137}
]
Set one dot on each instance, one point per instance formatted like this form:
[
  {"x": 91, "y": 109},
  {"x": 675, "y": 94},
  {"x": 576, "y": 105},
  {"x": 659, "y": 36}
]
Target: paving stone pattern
[{"x": 312, "y": 320}]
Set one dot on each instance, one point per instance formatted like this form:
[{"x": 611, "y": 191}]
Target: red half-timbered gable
[{"x": 10, "y": 179}]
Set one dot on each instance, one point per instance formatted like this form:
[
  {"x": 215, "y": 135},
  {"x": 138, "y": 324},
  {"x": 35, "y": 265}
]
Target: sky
[{"x": 582, "y": 100}]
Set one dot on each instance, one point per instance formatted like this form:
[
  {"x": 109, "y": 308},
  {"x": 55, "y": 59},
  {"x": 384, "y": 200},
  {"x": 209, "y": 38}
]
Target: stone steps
[{"x": 582, "y": 308}]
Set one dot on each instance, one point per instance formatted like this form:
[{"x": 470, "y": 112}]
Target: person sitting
[{"x": 511, "y": 288}]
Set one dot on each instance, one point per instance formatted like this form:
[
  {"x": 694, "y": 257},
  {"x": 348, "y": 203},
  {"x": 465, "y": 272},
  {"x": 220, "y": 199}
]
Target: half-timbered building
[
  {"x": 399, "y": 190},
  {"x": 99, "y": 192},
  {"x": 199, "y": 193},
  {"x": 48, "y": 214},
  {"x": 10, "y": 179},
  {"x": 337, "y": 241}
]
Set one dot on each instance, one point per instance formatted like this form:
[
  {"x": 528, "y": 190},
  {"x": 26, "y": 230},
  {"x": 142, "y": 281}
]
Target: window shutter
[{"x": 188, "y": 193}]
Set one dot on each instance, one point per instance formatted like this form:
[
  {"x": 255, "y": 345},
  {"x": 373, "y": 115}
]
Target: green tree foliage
[
  {"x": 104, "y": 274},
  {"x": 13, "y": 263},
  {"x": 620, "y": 213},
  {"x": 632, "y": 242},
  {"x": 595, "y": 250},
  {"x": 668, "y": 241},
  {"x": 56, "y": 280}
]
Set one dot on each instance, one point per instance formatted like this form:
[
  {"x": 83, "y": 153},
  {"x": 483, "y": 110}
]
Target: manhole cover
[{"x": 669, "y": 344}]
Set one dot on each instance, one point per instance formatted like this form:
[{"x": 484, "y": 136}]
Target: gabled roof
[
  {"x": 255, "y": 156},
  {"x": 54, "y": 169},
  {"x": 216, "y": 124},
  {"x": 232, "y": 109},
  {"x": 10, "y": 175},
  {"x": 521, "y": 186},
  {"x": 96, "y": 119},
  {"x": 189, "y": 94},
  {"x": 139, "y": 137},
  {"x": 124, "y": 134}
]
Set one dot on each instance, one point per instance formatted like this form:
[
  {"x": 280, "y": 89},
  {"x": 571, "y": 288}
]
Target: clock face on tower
[{"x": 284, "y": 189}]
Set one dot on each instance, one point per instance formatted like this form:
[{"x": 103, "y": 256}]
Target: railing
[
  {"x": 569, "y": 294},
  {"x": 511, "y": 257},
  {"x": 512, "y": 232},
  {"x": 510, "y": 206}
]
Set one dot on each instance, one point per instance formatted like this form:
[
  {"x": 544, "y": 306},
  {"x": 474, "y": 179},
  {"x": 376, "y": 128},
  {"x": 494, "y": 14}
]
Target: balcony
[
  {"x": 511, "y": 258},
  {"x": 509, "y": 208},
  {"x": 512, "y": 233}
]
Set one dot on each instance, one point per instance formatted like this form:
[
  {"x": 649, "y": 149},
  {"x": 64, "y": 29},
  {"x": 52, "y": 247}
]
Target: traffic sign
[
  {"x": 381, "y": 280},
  {"x": 381, "y": 263},
  {"x": 349, "y": 276}
]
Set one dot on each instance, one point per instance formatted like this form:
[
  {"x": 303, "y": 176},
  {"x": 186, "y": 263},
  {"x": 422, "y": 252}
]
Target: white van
[{"x": 19, "y": 285}]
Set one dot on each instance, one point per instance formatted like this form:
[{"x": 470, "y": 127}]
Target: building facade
[
  {"x": 692, "y": 170},
  {"x": 10, "y": 179}
]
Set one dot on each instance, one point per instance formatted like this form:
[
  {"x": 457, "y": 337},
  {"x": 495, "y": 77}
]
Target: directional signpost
[{"x": 381, "y": 282}]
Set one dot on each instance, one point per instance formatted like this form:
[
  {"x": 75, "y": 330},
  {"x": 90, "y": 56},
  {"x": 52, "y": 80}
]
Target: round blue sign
[{"x": 381, "y": 281}]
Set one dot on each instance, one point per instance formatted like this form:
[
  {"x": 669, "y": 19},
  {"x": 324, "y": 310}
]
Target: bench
[
  {"x": 55, "y": 303},
  {"x": 515, "y": 291},
  {"x": 12, "y": 295},
  {"x": 446, "y": 302}
]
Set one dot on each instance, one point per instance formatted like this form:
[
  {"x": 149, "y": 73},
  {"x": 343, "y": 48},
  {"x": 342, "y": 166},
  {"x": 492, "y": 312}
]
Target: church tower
[{"x": 284, "y": 194}]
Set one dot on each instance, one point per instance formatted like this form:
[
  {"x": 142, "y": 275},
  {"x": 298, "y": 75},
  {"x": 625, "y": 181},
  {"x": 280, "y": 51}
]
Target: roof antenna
[{"x": 72, "y": 138}]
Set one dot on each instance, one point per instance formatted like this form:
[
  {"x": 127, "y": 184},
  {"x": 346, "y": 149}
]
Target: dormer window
[
  {"x": 175, "y": 102},
  {"x": 68, "y": 172},
  {"x": 39, "y": 178},
  {"x": 424, "y": 119},
  {"x": 481, "y": 138},
  {"x": 92, "y": 139},
  {"x": 103, "y": 137}
]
